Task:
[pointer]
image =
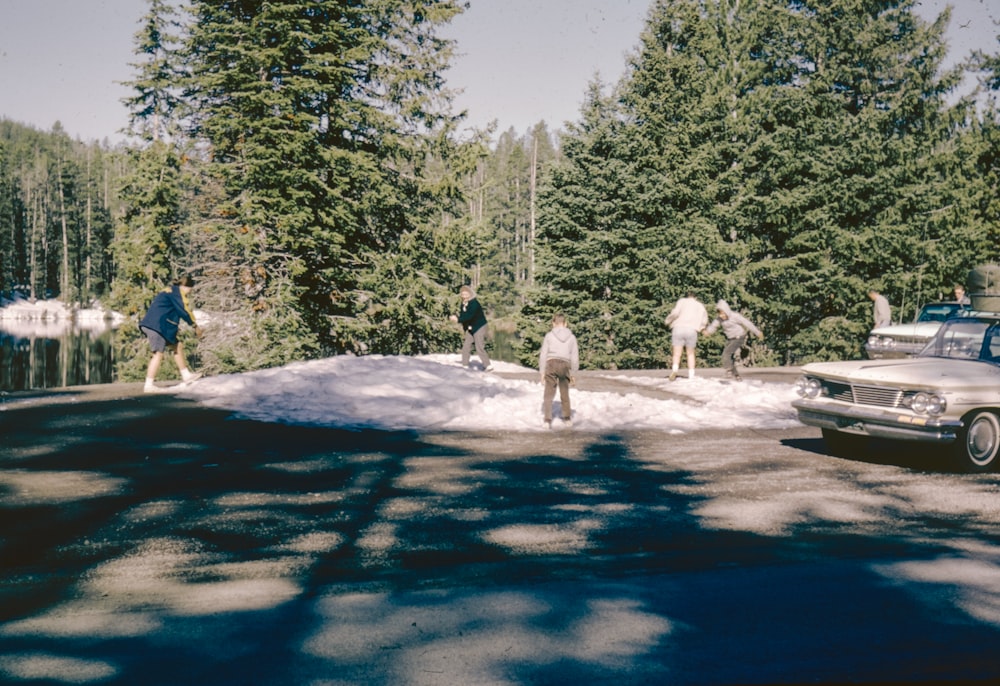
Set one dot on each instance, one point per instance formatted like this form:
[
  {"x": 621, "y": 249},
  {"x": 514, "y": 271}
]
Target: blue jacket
[{"x": 166, "y": 311}]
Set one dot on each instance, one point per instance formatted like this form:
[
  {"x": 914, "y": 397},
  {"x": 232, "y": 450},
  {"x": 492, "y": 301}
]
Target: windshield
[
  {"x": 937, "y": 313},
  {"x": 966, "y": 339}
]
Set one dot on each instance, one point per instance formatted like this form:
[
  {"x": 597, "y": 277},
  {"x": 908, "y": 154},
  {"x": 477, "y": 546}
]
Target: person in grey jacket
[
  {"x": 558, "y": 363},
  {"x": 881, "y": 312},
  {"x": 736, "y": 327}
]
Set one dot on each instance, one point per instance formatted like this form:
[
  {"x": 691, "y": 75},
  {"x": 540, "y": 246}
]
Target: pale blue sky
[{"x": 520, "y": 61}]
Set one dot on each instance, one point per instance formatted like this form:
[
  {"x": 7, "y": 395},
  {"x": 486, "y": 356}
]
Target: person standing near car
[
  {"x": 881, "y": 312},
  {"x": 960, "y": 295},
  {"x": 736, "y": 327}
]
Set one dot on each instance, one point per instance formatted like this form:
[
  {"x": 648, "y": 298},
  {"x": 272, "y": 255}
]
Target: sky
[
  {"x": 519, "y": 62},
  {"x": 434, "y": 392}
]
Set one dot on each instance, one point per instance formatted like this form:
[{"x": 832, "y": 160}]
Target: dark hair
[{"x": 187, "y": 281}]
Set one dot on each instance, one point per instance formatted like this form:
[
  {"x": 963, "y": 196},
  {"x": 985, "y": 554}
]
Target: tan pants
[{"x": 556, "y": 372}]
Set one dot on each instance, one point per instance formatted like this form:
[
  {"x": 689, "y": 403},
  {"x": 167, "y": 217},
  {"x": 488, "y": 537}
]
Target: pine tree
[
  {"x": 593, "y": 254},
  {"x": 319, "y": 117}
]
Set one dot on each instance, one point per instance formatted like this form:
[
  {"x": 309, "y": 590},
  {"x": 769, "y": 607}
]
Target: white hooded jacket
[
  {"x": 560, "y": 344},
  {"x": 734, "y": 325}
]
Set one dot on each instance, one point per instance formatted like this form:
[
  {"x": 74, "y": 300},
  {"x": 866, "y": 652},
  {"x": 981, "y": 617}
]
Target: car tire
[
  {"x": 978, "y": 446},
  {"x": 840, "y": 444}
]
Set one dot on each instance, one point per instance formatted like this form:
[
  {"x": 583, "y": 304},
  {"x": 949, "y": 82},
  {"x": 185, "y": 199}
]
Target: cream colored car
[
  {"x": 949, "y": 394},
  {"x": 906, "y": 340}
]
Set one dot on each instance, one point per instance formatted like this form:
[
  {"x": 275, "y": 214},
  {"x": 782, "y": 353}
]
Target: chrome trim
[{"x": 867, "y": 421}]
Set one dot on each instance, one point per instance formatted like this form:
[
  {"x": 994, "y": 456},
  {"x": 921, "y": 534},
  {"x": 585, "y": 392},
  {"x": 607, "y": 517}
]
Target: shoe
[
  {"x": 673, "y": 376},
  {"x": 489, "y": 369},
  {"x": 568, "y": 423},
  {"x": 188, "y": 376},
  {"x": 547, "y": 423}
]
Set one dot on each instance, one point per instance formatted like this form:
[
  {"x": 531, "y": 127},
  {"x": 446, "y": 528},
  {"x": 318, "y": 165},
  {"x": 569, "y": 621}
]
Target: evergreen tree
[
  {"x": 762, "y": 155},
  {"x": 594, "y": 261},
  {"x": 155, "y": 101},
  {"x": 320, "y": 117},
  {"x": 858, "y": 134},
  {"x": 150, "y": 247}
]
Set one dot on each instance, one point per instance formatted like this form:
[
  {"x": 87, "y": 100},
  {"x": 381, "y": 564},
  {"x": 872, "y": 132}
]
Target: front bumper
[{"x": 876, "y": 422}]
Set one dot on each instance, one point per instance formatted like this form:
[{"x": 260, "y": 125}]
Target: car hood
[
  {"x": 914, "y": 372},
  {"x": 925, "y": 329}
]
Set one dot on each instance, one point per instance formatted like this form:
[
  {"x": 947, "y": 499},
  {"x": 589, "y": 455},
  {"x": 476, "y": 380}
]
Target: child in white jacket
[{"x": 558, "y": 363}]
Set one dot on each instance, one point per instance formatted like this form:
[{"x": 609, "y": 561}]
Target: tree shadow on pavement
[{"x": 150, "y": 540}]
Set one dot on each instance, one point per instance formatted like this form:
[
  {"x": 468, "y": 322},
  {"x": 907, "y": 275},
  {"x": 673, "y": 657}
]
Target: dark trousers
[
  {"x": 556, "y": 372},
  {"x": 732, "y": 351}
]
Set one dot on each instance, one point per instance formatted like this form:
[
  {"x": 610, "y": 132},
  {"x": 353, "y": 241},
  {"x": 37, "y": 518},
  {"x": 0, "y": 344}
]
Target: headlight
[
  {"x": 808, "y": 388},
  {"x": 928, "y": 403},
  {"x": 880, "y": 342}
]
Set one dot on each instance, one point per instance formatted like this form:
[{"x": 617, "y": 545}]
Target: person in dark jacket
[
  {"x": 558, "y": 363},
  {"x": 160, "y": 326},
  {"x": 473, "y": 321}
]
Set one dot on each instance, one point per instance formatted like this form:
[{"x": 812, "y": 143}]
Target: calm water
[{"x": 74, "y": 358}]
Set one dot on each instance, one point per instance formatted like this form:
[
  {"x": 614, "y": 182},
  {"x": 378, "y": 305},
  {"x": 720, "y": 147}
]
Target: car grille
[
  {"x": 910, "y": 340},
  {"x": 879, "y": 396}
]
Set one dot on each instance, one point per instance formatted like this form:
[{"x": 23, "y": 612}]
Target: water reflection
[{"x": 51, "y": 354}]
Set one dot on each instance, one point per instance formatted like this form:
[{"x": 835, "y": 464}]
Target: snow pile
[
  {"x": 435, "y": 392},
  {"x": 25, "y": 318}
]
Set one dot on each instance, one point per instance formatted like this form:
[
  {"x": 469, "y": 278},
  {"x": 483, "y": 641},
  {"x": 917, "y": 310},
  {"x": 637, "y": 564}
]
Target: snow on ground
[
  {"x": 435, "y": 392},
  {"x": 51, "y": 318}
]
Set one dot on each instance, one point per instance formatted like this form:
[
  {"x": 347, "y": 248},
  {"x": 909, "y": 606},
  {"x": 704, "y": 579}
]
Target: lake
[{"x": 52, "y": 354}]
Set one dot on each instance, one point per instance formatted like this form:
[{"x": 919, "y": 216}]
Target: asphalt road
[{"x": 148, "y": 540}]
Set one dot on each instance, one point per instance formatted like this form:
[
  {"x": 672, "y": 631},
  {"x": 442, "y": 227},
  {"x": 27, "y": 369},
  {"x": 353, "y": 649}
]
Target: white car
[
  {"x": 949, "y": 394},
  {"x": 906, "y": 340}
]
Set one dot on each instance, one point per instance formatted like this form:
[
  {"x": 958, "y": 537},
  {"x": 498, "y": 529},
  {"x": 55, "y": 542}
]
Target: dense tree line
[
  {"x": 57, "y": 200},
  {"x": 302, "y": 159},
  {"x": 783, "y": 156}
]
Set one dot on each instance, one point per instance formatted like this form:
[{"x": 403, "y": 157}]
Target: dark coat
[
  {"x": 471, "y": 317},
  {"x": 166, "y": 312}
]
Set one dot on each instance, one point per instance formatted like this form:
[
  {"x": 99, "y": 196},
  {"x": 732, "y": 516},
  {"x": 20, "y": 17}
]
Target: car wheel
[
  {"x": 840, "y": 444},
  {"x": 979, "y": 443}
]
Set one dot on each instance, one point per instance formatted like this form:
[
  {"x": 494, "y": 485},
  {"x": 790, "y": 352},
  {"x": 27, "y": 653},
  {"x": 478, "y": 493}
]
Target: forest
[{"x": 303, "y": 160}]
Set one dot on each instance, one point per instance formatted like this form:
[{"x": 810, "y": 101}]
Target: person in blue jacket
[
  {"x": 473, "y": 321},
  {"x": 160, "y": 326}
]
